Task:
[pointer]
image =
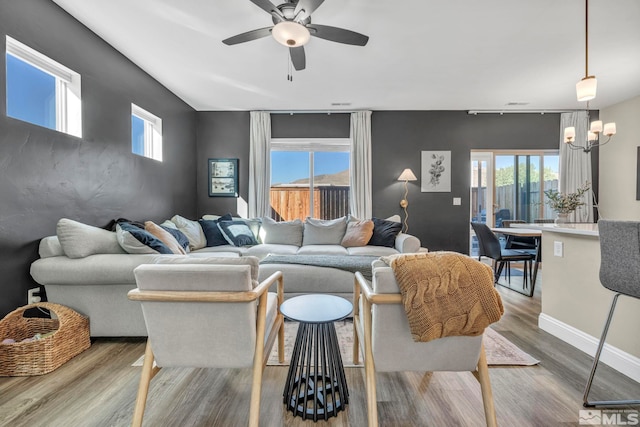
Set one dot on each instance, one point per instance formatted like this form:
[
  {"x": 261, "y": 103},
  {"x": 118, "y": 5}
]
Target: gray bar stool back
[{"x": 620, "y": 273}]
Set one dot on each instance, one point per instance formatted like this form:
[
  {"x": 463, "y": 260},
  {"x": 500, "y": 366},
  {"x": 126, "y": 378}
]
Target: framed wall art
[
  {"x": 223, "y": 178},
  {"x": 436, "y": 171}
]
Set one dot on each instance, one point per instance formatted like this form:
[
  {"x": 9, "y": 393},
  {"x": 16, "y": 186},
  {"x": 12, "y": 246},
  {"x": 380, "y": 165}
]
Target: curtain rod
[
  {"x": 328, "y": 112},
  {"x": 474, "y": 112}
]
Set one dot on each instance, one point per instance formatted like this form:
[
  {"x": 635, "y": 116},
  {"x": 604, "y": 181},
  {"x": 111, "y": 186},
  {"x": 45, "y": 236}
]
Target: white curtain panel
[
  {"x": 575, "y": 165},
  {"x": 360, "y": 203},
  {"x": 260, "y": 164}
]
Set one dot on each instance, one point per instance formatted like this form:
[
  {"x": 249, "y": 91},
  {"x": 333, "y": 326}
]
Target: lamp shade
[
  {"x": 407, "y": 175},
  {"x": 586, "y": 88},
  {"x": 290, "y": 34}
]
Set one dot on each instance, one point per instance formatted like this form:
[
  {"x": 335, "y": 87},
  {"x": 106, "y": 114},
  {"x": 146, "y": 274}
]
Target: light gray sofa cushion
[
  {"x": 322, "y": 250},
  {"x": 265, "y": 249},
  {"x": 283, "y": 233},
  {"x": 324, "y": 232},
  {"x": 371, "y": 250},
  {"x": 80, "y": 240}
]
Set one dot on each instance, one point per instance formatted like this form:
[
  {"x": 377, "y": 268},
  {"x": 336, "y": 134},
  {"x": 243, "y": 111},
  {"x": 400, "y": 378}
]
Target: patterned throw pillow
[
  {"x": 212, "y": 233},
  {"x": 237, "y": 233}
]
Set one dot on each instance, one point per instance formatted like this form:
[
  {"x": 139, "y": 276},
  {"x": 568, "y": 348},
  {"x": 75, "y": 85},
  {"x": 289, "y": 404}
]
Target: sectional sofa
[{"x": 91, "y": 269}]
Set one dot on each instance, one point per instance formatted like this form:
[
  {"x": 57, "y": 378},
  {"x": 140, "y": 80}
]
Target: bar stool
[{"x": 620, "y": 273}]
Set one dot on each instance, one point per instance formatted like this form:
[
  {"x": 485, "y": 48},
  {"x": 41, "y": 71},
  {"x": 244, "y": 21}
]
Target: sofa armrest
[
  {"x": 50, "y": 247},
  {"x": 406, "y": 243}
]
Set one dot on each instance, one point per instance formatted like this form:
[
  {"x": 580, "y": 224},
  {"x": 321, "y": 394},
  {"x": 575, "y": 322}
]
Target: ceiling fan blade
[
  {"x": 308, "y": 6},
  {"x": 248, "y": 36},
  {"x": 298, "y": 58},
  {"x": 338, "y": 35},
  {"x": 265, "y": 5}
]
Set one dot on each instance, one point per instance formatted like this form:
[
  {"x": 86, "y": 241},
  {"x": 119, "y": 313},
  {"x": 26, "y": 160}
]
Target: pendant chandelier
[{"x": 586, "y": 91}]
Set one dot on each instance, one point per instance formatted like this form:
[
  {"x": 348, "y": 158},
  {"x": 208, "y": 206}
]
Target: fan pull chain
[{"x": 289, "y": 68}]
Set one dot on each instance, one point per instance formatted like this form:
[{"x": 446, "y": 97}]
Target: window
[
  {"x": 310, "y": 178},
  {"x": 146, "y": 133},
  {"x": 41, "y": 91}
]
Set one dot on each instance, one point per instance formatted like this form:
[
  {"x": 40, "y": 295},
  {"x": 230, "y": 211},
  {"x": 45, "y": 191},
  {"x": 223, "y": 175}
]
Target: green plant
[{"x": 566, "y": 202}]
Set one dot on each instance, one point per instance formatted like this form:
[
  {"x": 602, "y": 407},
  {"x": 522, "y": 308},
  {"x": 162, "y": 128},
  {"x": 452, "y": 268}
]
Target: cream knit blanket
[{"x": 445, "y": 294}]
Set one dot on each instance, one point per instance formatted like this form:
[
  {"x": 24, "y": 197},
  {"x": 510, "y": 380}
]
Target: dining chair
[
  {"x": 208, "y": 315},
  {"x": 620, "y": 273},
  {"x": 489, "y": 246}
]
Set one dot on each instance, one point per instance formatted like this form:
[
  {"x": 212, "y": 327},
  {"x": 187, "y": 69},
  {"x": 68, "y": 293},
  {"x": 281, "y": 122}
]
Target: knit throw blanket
[
  {"x": 445, "y": 294},
  {"x": 351, "y": 263}
]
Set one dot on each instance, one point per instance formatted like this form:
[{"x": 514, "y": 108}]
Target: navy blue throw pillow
[
  {"x": 179, "y": 235},
  {"x": 212, "y": 232},
  {"x": 384, "y": 232},
  {"x": 237, "y": 233}
]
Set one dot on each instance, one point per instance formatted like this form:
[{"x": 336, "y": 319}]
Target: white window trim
[
  {"x": 152, "y": 132},
  {"x": 312, "y": 145},
  {"x": 68, "y": 85}
]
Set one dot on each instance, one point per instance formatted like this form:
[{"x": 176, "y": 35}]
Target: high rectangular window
[
  {"x": 146, "y": 133},
  {"x": 42, "y": 91}
]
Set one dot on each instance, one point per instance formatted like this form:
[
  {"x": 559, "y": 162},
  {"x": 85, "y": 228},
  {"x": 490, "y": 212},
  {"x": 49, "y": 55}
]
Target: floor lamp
[{"x": 406, "y": 175}]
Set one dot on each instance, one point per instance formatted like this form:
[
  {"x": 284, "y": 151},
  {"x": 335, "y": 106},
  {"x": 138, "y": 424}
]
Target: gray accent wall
[
  {"x": 46, "y": 175},
  {"x": 398, "y": 137}
]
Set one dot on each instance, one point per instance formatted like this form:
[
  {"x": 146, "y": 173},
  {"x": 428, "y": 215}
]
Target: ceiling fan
[{"x": 293, "y": 28}]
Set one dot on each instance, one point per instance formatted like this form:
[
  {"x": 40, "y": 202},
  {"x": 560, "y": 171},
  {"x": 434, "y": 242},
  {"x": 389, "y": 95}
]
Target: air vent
[
  {"x": 340, "y": 104},
  {"x": 516, "y": 103}
]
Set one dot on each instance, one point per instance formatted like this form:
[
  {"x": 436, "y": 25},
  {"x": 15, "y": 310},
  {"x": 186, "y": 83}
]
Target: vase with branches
[{"x": 566, "y": 203}]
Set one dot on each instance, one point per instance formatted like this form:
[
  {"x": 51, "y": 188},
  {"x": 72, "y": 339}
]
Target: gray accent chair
[
  {"x": 382, "y": 333},
  {"x": 179, "y": 300},
  {"x": 620, "y": 273}
]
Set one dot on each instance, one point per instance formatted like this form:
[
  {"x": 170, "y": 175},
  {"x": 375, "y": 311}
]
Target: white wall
[{"x": 618, "y": 164}]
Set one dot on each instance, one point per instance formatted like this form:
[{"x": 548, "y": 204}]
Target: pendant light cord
[{"x": 586, "y": 38}]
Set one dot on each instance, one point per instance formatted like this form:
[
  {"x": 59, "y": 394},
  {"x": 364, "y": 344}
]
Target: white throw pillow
[
  {"x": 283, "y": 233},
  {"x": 324, "y": 232},
  {"x": 192, "y": 230},
  {"x": 80, "y": 240}
]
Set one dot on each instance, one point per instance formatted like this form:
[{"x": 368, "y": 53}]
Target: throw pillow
[
  {"x": 358, "y": 233},
  {"x": 384, "y": 232},
  {"x": 212, "y": 233},
  {"x": 253, "y": 223},
  {"x": 137, "y": 241},
  {"x": 192, "y": 230},
  {"x": 324, "y": 232},
  {"x": 178, "y": 235},
  {"x": 80, "y": 240},
  {"x": 282, "y": 233},
  {"x": 237, "y": 233},
  {"x": 165, "y": 237}
]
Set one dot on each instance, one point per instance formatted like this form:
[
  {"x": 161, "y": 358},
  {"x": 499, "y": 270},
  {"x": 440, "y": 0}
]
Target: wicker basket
[{"x": 71, "y": 337}]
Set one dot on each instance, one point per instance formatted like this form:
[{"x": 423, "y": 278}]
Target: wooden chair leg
[
  {"x": 482, "y": 374},
  {"x": 258, "y": 356},
  {"x": 148, "y": 372}
]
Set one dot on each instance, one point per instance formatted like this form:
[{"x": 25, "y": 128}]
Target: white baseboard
[{"x": 619, "y": 360}]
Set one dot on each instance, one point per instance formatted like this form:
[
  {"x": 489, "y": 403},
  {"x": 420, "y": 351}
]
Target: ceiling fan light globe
[
  {"x": 290, "y": 34},
  {"x": 586, "y": 88}
]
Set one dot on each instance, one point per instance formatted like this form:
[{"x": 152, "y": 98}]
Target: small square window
[
  {"x": 146, "y": 133},
  {"x": 42, "y": 91}
]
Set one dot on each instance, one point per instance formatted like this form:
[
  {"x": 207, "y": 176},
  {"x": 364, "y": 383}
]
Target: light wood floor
[{"x": 98, "y": 388}]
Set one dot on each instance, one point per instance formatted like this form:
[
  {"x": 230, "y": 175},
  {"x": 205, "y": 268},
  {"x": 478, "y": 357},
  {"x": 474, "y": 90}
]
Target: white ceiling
[{"x": 421, "y": 55}]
